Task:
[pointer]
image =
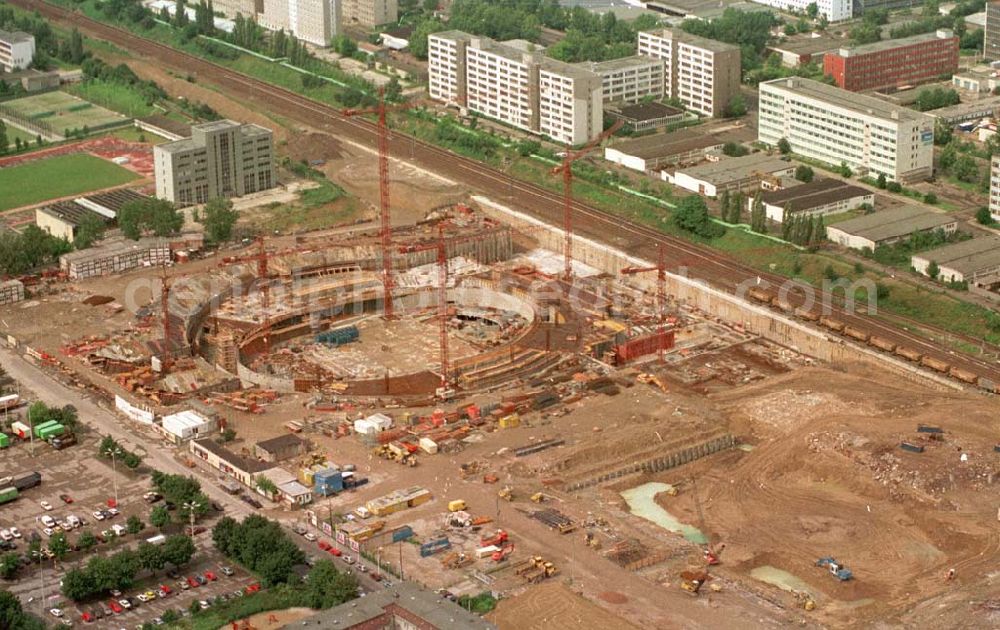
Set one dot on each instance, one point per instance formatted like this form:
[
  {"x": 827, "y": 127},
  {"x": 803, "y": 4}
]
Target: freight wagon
[
  {"x": 935, "y": 364},
  {"x": 8, "y": 494},
  {"x": 963, "y": 375},
  {"x": 882, "y": 344},
  {"x": 909, "y": 354},
  {"x": 833, "y": 324},
  {"x": 760, "y": 295},
  {"x": 26, "y": 481},
  {"x": 807, "y": 314},
  {"x": 857, "y": 333}
]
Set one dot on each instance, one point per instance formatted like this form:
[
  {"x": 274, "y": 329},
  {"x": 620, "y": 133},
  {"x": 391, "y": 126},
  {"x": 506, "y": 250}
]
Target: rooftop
[
  {"x": 244, "y": 464},
  {"x": 683, "y": 36},
  {"x": 895, "y": 223},
  {"x": 69, "y": 212},
  {"x": 984, "y": 106},
  {"x": 734, "y": 169},
  {"x": 418, "y": 606},
  {"x": 168, "y": 124},
  {"x": 666, "y": 144},
  {"x": 818, "y": 192},
  {"x": 852, "y": 101},
  {"x": 967, "y": 257},
  {"x": 611, "y": 65},
  {"x": 648, "y": 111},
  {"x": 891, "y": 44},
  {"x": 289, "y": 440},
  {"x": 16, "y": 37},
  {"x": 111, "y": 248},
  {"x": 104, "y": 206},
  {"x": 807, "y": 45}
]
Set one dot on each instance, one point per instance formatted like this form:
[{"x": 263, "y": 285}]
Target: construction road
[{"x": 701, "y": 262}]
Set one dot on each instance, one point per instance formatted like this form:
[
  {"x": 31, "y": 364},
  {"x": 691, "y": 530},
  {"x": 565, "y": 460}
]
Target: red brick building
[{"x": 894, "y": 62}]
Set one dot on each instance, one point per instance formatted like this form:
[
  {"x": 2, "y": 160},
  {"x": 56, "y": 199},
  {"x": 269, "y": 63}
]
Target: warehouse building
[
  {"x": 280, "y": 448},
  {"x": 818, "y": 197},
  {"x": 702, "y": 73},
  {"x": 221, "y": 159},
  {"x": 218, "y": 457},
  {"x": 745, "y": 174},
  {"x": 17, "y": 50},
  {"x": 978, "y": 79},
  {"x": 835, "y": 126},
  {"x": 645, "y": 116},
  {"x": 894, "y": 62},
  {"x": 651, "y": 153},
  {"x": 889, "y": 226},
  {"x": 63, "y": 218},
  {"x": 186, "y": 425},
  {"x": 11, "y": 291},
  {"x": 115, "y": 256},
  {"x": 966, "y": 261}
]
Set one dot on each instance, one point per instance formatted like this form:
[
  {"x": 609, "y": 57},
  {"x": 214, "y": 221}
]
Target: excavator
[
  {"x": 497, "y": 539},
  {"x": 506, "y": 493},
  {"x": 692, "y": 581},
  {"x": 591, "y": 540}
]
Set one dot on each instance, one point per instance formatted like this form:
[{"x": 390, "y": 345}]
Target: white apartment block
[
  {"x": 220, "y": 159},
  {"x": 630, "y": 79},
  {"x": 832, "y": 125},
  {"x": 17, "y": 50},
  {"x": 995, "y": 187},
  {"x": 834, "y": 10},
  {"x": 368, "y": 13},
  {"x": 513, "y": 82},
  {"x": 702, "y": 73}
]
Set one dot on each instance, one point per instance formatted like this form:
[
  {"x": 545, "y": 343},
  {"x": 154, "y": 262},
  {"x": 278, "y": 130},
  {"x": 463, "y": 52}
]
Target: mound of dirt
[{"x": 98, "y": 300}]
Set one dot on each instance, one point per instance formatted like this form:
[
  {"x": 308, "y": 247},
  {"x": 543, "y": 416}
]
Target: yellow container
[
  {"x": 510, "y": 422},
  {"x": 456, "y": 505}
]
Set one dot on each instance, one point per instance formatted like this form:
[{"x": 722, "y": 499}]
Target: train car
[
  {"x": 882, "y": 344},
  {"x": 963, "y": 375},
  {"x": 833, "y": 324},
  {"x": 909, "y": 354},
  {"x": 807, "y": 314},
  {"x": 760, "y": 295},
  {"x": 782, "y": 304},
  {"x": 857, "y": 333},
  {"x": 935, "y": 364}
]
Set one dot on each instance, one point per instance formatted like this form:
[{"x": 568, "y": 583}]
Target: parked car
[
  {"x": 56, "y": 612},
  {"x": 325, "y": 546},
  {"x": 98, "y": 514},
  {"x": 193, "y": 583},
  {"x": 227, "y": 571},
  {"x": 15, "y": 532},
  {"x": 65, "y": 498},
  {"x": 201, "y": 579},
  {"x": 253, "y": 588},
  {"x": 211, "y": 577},
  {"x": 115, "y": 607},
  {"x": 204, "y": 604},
  {"x": 87, "y": 617},
  {"x": 124, "y": 603},
  {"x": 48, "y": 508},
  {"x": 152, "y": 497},
  {"x": 6, "y": 535},
  {"x": 48, "y": 521},
  {"x": 311, "y": 537}
]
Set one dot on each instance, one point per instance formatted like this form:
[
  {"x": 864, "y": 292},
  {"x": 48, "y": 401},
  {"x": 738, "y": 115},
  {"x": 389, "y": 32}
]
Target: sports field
[
  {"x": 59, "y": 112},
  {"x": 58, "y": 176}
]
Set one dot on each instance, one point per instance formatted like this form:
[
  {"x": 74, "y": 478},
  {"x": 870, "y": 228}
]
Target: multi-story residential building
[
  {"x": 232, "y": 8},
  {"x": 570, "y": 106},
  {"x": 446, "y": 66},
  {"x": 702, "y": 73},
  {"x": 834, "y": 10},
  {"x": 995, "y": 187},
  {"x": 220, "y": 159},
  {"x": 991, "y": 34},
  {"x": 313, "y": 21},
  {"x": 860, "y": 6},
  {"x": 836, "y": 126},
  {"x": 502, "y": 81},
  {"x": 629, "y": 79},
  {"x": 368, "y": 13},
  {"x": 894, "y": 62},
  {"x": 17, "y": 50}
]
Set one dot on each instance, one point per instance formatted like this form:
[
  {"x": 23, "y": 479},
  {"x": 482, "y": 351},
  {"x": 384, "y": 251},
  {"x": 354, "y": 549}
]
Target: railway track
[{"x": 720, "y": 270}]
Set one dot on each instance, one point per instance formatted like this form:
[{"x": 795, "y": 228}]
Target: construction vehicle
[
  {"x": 455, "y": 560},
  {"x": 395, "y": 453},
  {"x": 506, "y": 493},
  {"x": 837, "y": 569},
  {"x": 457, "y": 505},
  {"x": 498, "y": 538},
  {"x": 538, "y": 497},
  {"x": 692, "y": 581},
  {"x": 711, "y": 552},
  {"x": 591, "y": 540},
  {"x": 490, "y": 478},
  {"x": 537, "y": 570},
  {"x": 502, "y": 554}
]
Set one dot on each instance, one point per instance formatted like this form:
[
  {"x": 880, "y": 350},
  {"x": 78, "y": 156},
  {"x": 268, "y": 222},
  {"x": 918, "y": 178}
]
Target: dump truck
[
  {"x": 692, "y": 581},
  {"x": 837, "y": 569}
]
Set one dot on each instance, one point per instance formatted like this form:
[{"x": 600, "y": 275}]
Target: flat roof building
[
  {"x": 221, "y": 159},
  {"x": 242, "y": 469},
  {"x": 962, "y": 262},
  {"x": 834, "y": 10},
  {"x": 991, "y": 34},
  {"x": 894, "y": 62},
  {"x": 702, "y": 73},
  {"x": 974, "y": 110},
  {"x": 17, "y": 50},
  {"x": 186, "y": 425},
  {"x": 994, "y": 202},
  {"x": 368, "y": 13},
  {"x": 115, "y": 256},
  {"x": 818, "y": 197},
  {"x": 889, "y": 226},
  {"x": 63, "y": 218},
  {"x": 730, "y": 174},
  {"x": 801, "y": 50},
  {"x": 281, "y": 448},
  {"x": 645, "y": 116},
  {"x": 835, "y": 126},
  {"x": 650, "y": 153}
]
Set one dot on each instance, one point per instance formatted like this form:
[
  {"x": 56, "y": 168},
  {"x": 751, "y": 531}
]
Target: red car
[
  {"x": 116, "y": 607},
  {"x": 211, "y": 577},
  {"x": 166, "y": 589},
  {"x": 193, "y": 583},
  {"x": 335, "y": 552},
  {"x": 87, "y": 617},
  {"x": 66, "y": 498},
  {"x": 325, "y": 546},
  {"x": 253, "y": 588}
]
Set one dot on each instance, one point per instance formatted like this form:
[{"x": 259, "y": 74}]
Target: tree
[
  {"x": 151, "y": 557},
  {"x": 159, "y": 517},
  {"x": 224, "y": 535},
  {"x": 156, "y": 215},
  {"x": 91, "y": 229},
  {"x": 933, "y": 271},
  {"x": 784, "y": 146},
  {"x": 984, "y": 217},
  {"x": 134, "y": 525},
  {"x": 812, "y": 10},
  {"x": 266, "y": 486},
  {"x": 430, "y": 6},
  {"x": 965, "y": 169},
  {"x": 880, "y": 181},
  {"x": 76, "y": 52},
  {"x": 724, "y": 204},
  {"x": 894, "y": 187},
  {"x": 344, "y": 45},
  {"x": 169, "y": 616},
  {"x": 14, "y": 617},
  {"x": 845, "y": 170},
  {"x": 734, "y": 149},
  {"x": 943, "y": 133},
  {"x": 736, "y": 207},
  {"x": 219, "y": 219},
  {"x": 803, "y": 173},
  {"x": 194, "y": 607},
  {"x": 10, "y": 564},
  {"x": 178, "y": 549},
  {"x": 393, "y": 91},
  {"x": 87, "y": 540},
  {"x": 58, "y": 545},
  {"x": 930, "y": 198},
  {"x": 758, "y": 217},
  {"x": 737, "y": 107},
  {"x": 328, "y": 587},
  {"x": 691, "y": 214},
  {"x": 935, "y": 98},
  {"x": 866, "y": 34}
]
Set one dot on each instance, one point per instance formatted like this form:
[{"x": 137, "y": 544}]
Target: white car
[
  {"x": 6, "y": 535},
  {"x": 48, "y": 521},
  {"x": 142, "y": 597},
  {"x": 48, "y": 508},
  {"x": 48, "y": 531},
  {"x": 311, "y": 537},
  {"x": 98, "y": 515},
  {"x": 113, "y": 512},
  {"x": 73, "y": 521},
  {"x": 118, "y": 530},
  {"x": 124, "y": 603},
  {"x": 56, "y": 612},
  {"x": 15, "y": 532}
]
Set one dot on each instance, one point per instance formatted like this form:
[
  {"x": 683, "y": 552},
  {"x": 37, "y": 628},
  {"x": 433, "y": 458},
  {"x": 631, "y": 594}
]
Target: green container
[
  {"x": 4, "y": 440},
  {"x": 8, "y": 494},
  {"x": 50, "y": 432},
  {"x": 44, "y": 425}
]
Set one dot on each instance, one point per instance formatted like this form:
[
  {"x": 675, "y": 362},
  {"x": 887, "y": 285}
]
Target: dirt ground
[{"x": 554, "y": 606}]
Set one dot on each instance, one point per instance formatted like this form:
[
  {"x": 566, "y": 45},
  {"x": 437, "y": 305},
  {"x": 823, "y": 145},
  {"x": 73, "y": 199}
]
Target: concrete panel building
[
  {"x": 629, "y": 79},
  {"x": 116, "y": 256},
  {"x": 730, "y": 174},
  {"x": 894, "y": 62},
  {"x": 702, "y": 73},
  {"x": 368, "y": 13},
  {"x": 962, "y": 262},
  {"x": 832, "y": 125},
  {"x": 220, "y": 159},
  {"x": 11, "y": 291},
  {"x": 991, "y": 34},
  {"x": 995, "y": 187},
  {"x": 446, "y": 67},
  {"x": 834, "y": 10},
  {"x": 17, "y": 50},
  {"x": 889, "y": 226},
  {"x": 816, "y": 198}
]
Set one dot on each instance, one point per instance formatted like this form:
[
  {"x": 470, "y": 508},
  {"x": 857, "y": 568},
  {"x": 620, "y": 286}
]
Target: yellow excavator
[{"x": 506, "y": 493}]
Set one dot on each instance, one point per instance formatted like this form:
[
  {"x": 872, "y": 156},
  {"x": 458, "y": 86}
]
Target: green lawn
[
  {"x": 13, "y": 132},
  {"x": 58, "y": 177},
  {"x": 114, "y": 96}
]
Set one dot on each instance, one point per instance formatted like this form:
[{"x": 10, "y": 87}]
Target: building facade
[
  {"x": 991, "y": 34},
  {"x": 368, "y": 13},
  {"x": 630, "y": 79},
  {"x": 702, "y": 73},
  {"x": 836, "y": 126},
  {"x": 220, "y": 159},
  {"x": 834, "y": 10},
  {"x": 446, "y": 67},
  {"x": 995, "y": 187},
  {"x": 17, "y": 50},
  {"x": 895, "y": 62}
]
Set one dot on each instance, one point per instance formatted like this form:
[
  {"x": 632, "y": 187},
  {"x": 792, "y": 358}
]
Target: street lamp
[
  {"x": 115, "y": 452},
  {"x": 39, "y": 556},
  {"x": 191, "y": 506}
]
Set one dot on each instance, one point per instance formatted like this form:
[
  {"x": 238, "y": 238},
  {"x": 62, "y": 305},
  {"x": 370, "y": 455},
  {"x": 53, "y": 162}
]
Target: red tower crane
[
  {"x": 661, "y": 288},
  {"x": 443, "y": 306},
  {"x": 385, "y": 229},
  {"x": 566, "y": 168}
]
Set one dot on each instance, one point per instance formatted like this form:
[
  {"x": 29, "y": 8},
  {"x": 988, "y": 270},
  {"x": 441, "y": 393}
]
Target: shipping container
[
  {"x": 487, "y": 551},
  {"x": 4, "y": 440},
  {"x": 26, "y": 481},
  {"x": 913, "y": 448},
  {"x": 510, "y": 422},
  {"x": 8, "y": 494},
  {"x": 41, "y": 427},
  {"x": 159, "y": 539},
  {"x": 20, "y": 429},
  {"x": 428, "y": 445},
  {"x": 924, "y": 428},
  {"x": 51, "y": 431}
]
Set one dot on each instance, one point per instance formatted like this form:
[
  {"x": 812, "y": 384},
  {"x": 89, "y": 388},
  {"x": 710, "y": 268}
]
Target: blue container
[{"x": 403, "y": 533}]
